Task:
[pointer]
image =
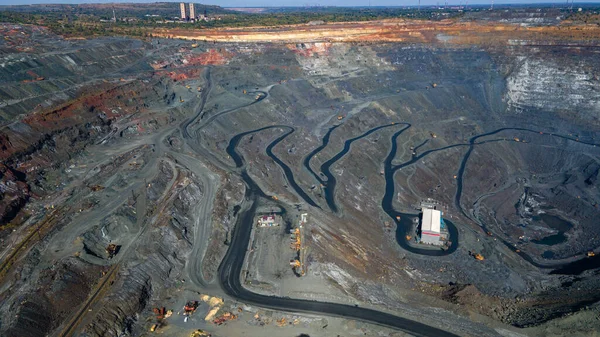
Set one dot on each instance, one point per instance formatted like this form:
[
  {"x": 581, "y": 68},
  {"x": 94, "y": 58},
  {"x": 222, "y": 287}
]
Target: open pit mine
[{"x": 387, "y": 178}]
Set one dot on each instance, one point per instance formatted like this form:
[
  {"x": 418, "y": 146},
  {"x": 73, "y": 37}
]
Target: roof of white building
[{"x": 431, "y": 220}]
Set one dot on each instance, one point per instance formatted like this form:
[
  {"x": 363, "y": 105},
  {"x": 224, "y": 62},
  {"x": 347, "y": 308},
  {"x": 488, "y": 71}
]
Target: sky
[{"x": 266, "y": 3}]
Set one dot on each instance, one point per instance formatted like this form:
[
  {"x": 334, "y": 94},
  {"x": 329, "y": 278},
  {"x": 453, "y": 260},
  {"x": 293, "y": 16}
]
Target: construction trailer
[
  {"x": 267, "y": 221},
  {"x": 431, "y": 227}
]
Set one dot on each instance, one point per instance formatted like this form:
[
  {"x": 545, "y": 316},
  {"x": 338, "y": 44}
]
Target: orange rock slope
[{"x": 417, "y": 31}]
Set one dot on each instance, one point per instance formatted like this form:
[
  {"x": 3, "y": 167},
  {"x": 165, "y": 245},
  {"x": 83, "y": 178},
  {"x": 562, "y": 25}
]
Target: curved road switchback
[
  {"x": 404, "y": 221},
  {"x": 314, "y": 152},
  {"x": 289, "y": 175},
  {"x": 232, "y": 264},
  {"x": 287, "y": 171},
  {"x": 203, "y": 98},
  {"x": 330, "y": 182}
]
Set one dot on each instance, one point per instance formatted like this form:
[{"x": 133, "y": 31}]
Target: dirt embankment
[{"x": 413, "y": 31}]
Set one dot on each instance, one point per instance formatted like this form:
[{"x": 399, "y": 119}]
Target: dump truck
[
  {"x": 112, "y": 250},
  {"x": 224, "y": 318},
  {"x": 96, "y": 188},
  {"x": 190, "y": 307},
  {"x": 200, "y": 333},
  {"x": 160, "y": 312},
  {"x": 477, "y": 256}
]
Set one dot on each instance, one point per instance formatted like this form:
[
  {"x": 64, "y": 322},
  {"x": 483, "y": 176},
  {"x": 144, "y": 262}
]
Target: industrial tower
[
  {"x": 192, "y": 13},
  {"x": 182, "y": 8}
]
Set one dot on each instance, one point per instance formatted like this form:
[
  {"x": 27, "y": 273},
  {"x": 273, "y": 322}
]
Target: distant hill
[{"x": 163, "y": 9}]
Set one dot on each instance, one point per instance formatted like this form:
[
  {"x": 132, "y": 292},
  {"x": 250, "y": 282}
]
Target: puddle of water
[
  {"x": 548, "y": 254},
  {"x": 551, "y": 240},
  {"x": 556, "y": 223}
]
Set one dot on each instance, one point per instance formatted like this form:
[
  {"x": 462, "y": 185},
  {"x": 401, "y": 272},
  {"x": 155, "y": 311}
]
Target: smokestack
[
  {"x": 192, "y": 12},
  {"x": 182, "y": 7}
]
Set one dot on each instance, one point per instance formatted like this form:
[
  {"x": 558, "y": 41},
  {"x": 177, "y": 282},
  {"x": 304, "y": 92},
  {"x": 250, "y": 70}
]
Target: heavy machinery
[
  {"x": 477, "y": 256},
  {"x": 591, "y": 254},
  {"x": 96, "y": 188},
  {"x": 160, "y": 312},
  {"x": 112, "y": 250},
  {"x": 190, "y": 307},
  {"x": 296, "y": 241},
  {"x": 298, "y": 263},
  {"x": 224, "y": 318}
]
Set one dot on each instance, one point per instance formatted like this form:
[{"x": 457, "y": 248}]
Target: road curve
[
  {"x": 569, "y": 268},
  {"x": 404, "y": 220},
  {"x": 287, "y": 171},
  {"x": 314, "y": 152},
  {"x": 331, "y": 182},
  {"x": 232, "y": 263}
]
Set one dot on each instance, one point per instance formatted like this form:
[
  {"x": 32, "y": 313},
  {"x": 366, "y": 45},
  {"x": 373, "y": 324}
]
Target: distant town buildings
[{"x": 191, "y": 16}]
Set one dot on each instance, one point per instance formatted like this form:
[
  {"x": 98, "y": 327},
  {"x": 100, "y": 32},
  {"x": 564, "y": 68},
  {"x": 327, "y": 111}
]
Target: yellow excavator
[{"x": 477, "y": 256}]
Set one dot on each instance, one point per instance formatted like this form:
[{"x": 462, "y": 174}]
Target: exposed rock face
[
  {"x": 567, "y": 88},
  {"x": 53, "y": 293},
  {"x": 14, "y": 193}
]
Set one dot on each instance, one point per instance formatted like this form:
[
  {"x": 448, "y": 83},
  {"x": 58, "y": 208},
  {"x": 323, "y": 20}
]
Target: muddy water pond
[{"x": 556, "y": 223}]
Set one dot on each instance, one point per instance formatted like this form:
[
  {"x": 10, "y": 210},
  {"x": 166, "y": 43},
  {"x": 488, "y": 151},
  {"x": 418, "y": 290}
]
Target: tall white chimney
[
  {"x": 192, "y": 13},
  {"x": 182, "y": 7}
]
